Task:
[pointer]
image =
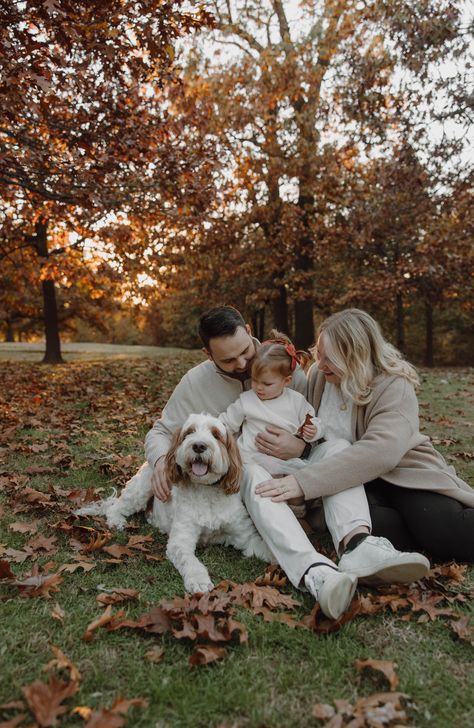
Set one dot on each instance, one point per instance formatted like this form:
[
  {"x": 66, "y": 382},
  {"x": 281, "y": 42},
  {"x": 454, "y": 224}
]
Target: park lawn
[{"x": 82, "y": 425}]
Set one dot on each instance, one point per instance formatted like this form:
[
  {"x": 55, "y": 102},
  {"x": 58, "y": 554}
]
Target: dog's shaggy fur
[{"x": 205, "y": 506}]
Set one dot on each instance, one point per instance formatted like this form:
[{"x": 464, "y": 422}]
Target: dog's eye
[
  {"x": 217, "y": 434},
  {"x": 189, "y": 431}
]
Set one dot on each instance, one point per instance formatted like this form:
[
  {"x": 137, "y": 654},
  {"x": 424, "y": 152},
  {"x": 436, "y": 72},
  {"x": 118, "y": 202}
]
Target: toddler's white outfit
[{"x": 343, "y": 511}]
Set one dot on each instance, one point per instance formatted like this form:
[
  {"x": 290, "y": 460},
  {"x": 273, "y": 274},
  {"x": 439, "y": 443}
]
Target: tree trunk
[
  {"x": 304, "y": 324},
  {"x": 400, "y": 324},
  {"x": 261, "y": 324},
  {"x": 429, "y": 351},
  {"x": 50, "y": 308},
  {"x": 9, "y": 335},
  {"x": 280, "y": 311}
]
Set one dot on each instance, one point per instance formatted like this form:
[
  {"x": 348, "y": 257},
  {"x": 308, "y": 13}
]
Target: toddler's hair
[{"x": 279, "y": 355}]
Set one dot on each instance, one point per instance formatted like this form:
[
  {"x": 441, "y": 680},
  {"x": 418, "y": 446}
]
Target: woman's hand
[
  {"x": 280, "y": 489},
  {"x": 279, "y": 443}
]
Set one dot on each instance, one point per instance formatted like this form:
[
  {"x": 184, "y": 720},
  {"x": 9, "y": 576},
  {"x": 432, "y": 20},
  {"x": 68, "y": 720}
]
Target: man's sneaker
[
  {"x": 331, "y": 588},
  {"x": 376, "y": 561}
]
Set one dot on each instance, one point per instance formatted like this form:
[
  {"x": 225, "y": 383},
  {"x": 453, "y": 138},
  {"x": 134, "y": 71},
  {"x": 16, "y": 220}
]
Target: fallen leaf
[
  {"x": 97, "y": 542},
  {"x": 122, "y": 706},
  {"x": 13, "y": 722},
  {"x": 137, "y": 542},
  {"x": 44, "y": 699},
  {"x": 155, "y": 655},
  {"x": 101, "y": 621},
  {"x": 84, "y": 565},
  {"x": 83, "y": 710},
  {"x": 38, "y": 585},
  {"x": 118, "y": 551},
  {"x": 63, "y": 663},
  {"x": 58, "y": 613},
  {"x": 105, "y": 719},
  {"x": 42, "y": 543},
  {"x": 205, "y": 654},
  {"x": 386, "y": 667},
  {"x": 24, "y": 527},
  {"x": 117, "y": 596},
  {"x": 5, "y": 571},
  {"x": 427, "y": 603},
  {"x": 464, "y": 629},
  {"x": 322, "y": 711}
]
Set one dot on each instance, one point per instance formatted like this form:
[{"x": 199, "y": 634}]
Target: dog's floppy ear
[
  {"x": 231, "y": 481},
  {"x": 172, "y": 470}
]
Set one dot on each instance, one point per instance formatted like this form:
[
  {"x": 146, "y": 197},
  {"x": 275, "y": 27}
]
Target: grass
[{"x": 95, "y": 417}]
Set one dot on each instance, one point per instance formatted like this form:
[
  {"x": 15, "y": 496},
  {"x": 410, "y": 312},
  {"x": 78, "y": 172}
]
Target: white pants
[{"x": 278, "y": 525}]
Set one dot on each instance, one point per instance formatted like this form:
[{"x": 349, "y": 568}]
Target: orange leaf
[
  {"x": 101, "y": 621},
  {"x": 63, "y": 662}
]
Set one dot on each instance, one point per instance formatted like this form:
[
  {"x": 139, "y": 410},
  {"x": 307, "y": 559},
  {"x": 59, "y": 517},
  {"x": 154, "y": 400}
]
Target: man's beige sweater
[{"x": 387, "y": 444}]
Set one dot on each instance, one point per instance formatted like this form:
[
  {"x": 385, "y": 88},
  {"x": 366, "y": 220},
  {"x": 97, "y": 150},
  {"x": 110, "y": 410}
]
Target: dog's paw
[
  {"x": 117, "y": 522},
  {"x": 193, "y": 586}
]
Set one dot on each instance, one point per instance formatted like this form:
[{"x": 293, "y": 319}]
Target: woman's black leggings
[{"x": 421, "y": 520}]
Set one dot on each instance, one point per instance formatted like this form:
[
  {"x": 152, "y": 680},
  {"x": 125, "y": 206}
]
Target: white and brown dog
[{"x": 205, "y": 507}]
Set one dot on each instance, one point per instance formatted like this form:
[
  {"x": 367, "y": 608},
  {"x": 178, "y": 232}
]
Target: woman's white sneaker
[
  {"x": 332, "y": 589},
  {"x": 376, "y": 561}
]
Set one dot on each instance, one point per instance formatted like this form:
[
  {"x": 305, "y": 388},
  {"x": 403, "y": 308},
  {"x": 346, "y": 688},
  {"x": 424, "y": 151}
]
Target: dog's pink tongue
[{"x": 199, "y": 468}]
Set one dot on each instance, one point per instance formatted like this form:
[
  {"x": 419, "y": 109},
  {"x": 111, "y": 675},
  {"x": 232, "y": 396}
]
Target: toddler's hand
[{"x": 309, "y": 432}]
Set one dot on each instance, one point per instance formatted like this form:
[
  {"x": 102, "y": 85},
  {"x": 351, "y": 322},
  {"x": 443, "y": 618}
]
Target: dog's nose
[{"x": 199, "y": 447}]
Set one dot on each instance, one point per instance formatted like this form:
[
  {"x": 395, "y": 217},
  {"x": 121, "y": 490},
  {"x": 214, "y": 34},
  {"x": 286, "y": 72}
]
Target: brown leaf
[
  {"x": 155, "y": 654},
  {"x": 39, "y": 585},
  {"x": 42, "y": 543},
  {"x": 137, "y": 542},
  {"x": 117, "y": 596},
  {"x": 5, "y": 571},
  {"x": 452, "y": 572},
  {"x": 24, "y": 527},
  {"x": 105, "y": 719},
  {"x": 157, "y": 621},
  {"x": 58, "y": 613},
  {"x": 283, "y": 617},
  {"x": 84, "y": 565},
  {"x": 272, "y": 576},
  {"x": 63, "y": 663},
  {"x": 464, "y": 629},
  {"x": 101, "y": 621},
  {"x": 386, "y": 667},
  {"x": 44, "y": 699},
  {"x": 122, "y": 706},
  {"x": 205, "y": 654},
  {"x": 427, "y": 603},
  {"x": 322, "y": 711},
  {"x": 13, "y": 722},
  {"x": 118, "y": 551}
]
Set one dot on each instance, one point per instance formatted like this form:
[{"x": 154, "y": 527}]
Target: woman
[{"x": 362, "y": 385}]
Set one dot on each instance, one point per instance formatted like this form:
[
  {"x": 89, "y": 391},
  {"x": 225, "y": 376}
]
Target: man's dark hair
[{"x": 219, "y": 321}]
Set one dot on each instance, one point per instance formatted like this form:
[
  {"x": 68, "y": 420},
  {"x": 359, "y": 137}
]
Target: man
[{"x": 210, "y": 387}]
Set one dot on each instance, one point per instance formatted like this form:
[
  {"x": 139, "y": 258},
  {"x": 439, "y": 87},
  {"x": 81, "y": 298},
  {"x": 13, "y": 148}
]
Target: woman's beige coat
[{"x": 387, "y": 444}]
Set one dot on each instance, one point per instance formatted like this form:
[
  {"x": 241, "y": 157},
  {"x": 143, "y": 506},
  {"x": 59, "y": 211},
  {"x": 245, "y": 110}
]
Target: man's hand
[
  {"x": 279, "y": 443},
  {"x": 280, "y": 489},
  {"x": 159, "y": 482}
]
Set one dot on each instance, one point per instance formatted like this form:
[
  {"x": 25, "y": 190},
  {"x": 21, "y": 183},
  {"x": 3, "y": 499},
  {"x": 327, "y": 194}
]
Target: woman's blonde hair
[{"x": 355, "y": 346}]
